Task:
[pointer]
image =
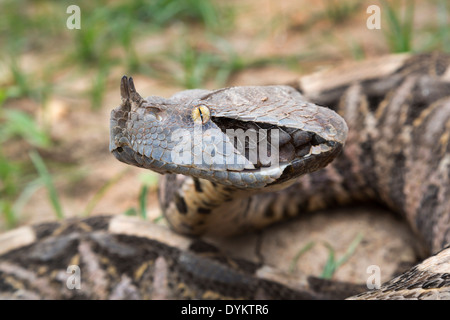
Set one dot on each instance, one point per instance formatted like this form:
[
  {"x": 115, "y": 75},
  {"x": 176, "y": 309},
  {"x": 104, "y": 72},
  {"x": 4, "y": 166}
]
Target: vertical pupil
[{"x": 200, "y": 112}]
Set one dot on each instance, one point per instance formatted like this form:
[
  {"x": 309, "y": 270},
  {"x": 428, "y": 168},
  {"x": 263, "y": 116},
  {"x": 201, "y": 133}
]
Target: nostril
[{"x": 154, "y": 112}]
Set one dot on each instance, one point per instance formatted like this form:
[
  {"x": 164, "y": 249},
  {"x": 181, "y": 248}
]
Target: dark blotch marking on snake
[
  {"x": 436, "y": 283},
  {"x": 268, "y": 213},
  {"x": 397, "y": 182},
  {"x": 180, "y": 204},
  {"x": 374, "y": 102},
  {"x": 202, "y": 210},
  {"x": 197, "y": 185},
  {"x": 427, "y": 205},
  {"x": 367, "y": 159}
]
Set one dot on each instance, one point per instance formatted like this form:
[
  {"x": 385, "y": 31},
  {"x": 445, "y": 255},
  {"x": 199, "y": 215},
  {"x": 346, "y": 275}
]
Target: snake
[
  {"x": 397, "y": 153},
  {"x": 243, "y": 158}
]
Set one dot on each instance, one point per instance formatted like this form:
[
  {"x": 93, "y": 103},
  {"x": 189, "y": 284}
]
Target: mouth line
[
  {"x": 255, "y": 178},
  {"x": 326, "y": 146},
  {"x": 289, "y": 144},
  {"x": 330, "y": 145}
]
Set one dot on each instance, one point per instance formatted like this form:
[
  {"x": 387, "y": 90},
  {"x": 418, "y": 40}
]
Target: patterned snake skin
[
  {"x": 391, "y": 149},
  {"x": 397, "y": 153}
]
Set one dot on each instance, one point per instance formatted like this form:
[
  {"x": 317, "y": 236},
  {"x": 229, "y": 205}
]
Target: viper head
[{"x": 246, "y": 137}]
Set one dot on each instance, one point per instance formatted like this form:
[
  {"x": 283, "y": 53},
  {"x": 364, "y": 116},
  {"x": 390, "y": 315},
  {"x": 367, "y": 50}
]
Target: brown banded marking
[
  {"x": 180, "y": 204},
  {"x": 398, "y": 149},
  {"x": 198, "y": 185}
]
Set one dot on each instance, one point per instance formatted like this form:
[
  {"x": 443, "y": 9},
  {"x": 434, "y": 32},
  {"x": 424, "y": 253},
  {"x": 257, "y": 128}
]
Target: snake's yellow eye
[{"x": 201, "y": 114}]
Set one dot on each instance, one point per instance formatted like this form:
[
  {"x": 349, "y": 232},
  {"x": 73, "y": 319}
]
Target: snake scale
[{"x": 392, "y": 148}]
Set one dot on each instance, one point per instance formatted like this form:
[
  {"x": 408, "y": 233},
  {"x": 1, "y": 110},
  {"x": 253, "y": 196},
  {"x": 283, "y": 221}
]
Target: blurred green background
[{"x": 58, "y": 85}]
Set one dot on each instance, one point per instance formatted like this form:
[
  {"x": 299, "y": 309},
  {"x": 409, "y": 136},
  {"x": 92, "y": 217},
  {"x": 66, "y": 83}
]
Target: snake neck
[
  {"x": 189, "y": 203},
  {"x": 197, "y": 206}
]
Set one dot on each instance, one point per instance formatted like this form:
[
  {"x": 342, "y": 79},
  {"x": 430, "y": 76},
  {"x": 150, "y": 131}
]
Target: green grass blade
[
  {"x": 399, "y": 32},
  {"x": 303, "y": 250},
  {"x": 102, "y": 191},
  {"x": 444, "y": 28},
  {"x": 350, "y": 250},
  {"x": 26, "y": 194},
  {"x": 130, "y": 212},
  {"x": 143, "y": 201},
  {"x": 332, "y": 264},
  {"x": 18, "y": 123},
  {"x": 3, "y": 95},
  {"x": 408, "y": 27},
  {"x": 158, "y": 219},
  {"x": 98, "y": 88},
  {"x": 8, "y": 214},
  {"x": 48, "y": 182}
]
